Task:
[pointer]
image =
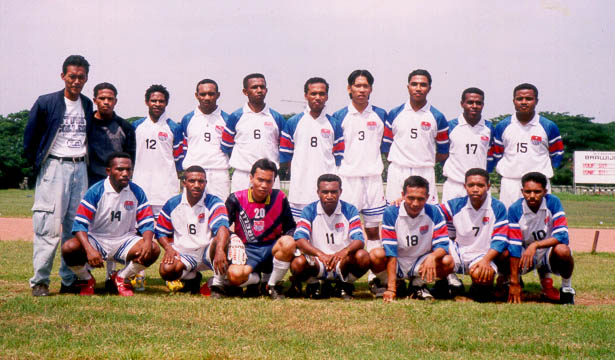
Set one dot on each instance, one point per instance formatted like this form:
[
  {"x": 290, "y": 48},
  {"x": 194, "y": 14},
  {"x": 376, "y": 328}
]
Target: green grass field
[{"x": 156, "y": 325}]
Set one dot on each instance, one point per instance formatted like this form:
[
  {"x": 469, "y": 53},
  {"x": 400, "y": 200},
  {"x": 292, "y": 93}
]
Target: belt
[{"x": 68, "y": 158}]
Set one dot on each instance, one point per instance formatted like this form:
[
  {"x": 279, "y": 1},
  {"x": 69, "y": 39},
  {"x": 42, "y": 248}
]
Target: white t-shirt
[{"x": 71, "y": 137}]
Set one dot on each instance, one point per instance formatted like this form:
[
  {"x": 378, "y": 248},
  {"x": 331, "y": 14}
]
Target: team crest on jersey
[
  {"x": 259, "y": 225},
  {"x": 219, "y": 129},
  {"x": 163, "y": 136},
  {"x": 485, "y": 219},
  {"x": 201, "y": 218},
  {"x": 129, "y": 205},
  {"x": 372, "y": 125},
  {"x": 536, "y": 140},
  {"x": 425, "y": 125},
  {"x": 339, "y": 227},
  {"x": 268, "y": 124},
  {"x": 325, "y": 133},
  {"x": 484, "y": 138},
  {"x": 423, "y": 229}
]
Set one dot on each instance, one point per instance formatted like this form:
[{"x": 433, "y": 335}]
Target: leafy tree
[{"x": 13, "y": 166}]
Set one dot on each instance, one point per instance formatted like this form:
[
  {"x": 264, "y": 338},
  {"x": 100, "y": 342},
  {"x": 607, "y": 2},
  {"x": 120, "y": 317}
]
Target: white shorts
[
  {"x": 409, "y": 268},
  {"x": 193, "y": 262},
  {"x": 323, "y": 273},
  {"x": 510, "y": 190},
  {"x": 116, "y": 250},
  {"x": 218, "y": 183},
  {"x": 541, "y": 261},
  {"x": 398, "y": 174},
  {"x": 367, "y": 194},
  {"x": 463, "y": 262},
  {"x": 241, "y": 181},
  {"x": 452, "y": 189},
  {"x": 296, "y": 209}
]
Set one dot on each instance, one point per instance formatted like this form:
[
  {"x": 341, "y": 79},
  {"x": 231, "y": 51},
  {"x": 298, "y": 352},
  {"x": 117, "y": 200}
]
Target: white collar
[
  {"x": 321, "y": 210},
  {"x": 247, "y": 109}
]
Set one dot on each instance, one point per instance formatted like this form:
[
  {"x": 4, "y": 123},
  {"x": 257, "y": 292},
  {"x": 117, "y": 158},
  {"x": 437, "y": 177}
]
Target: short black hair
[
  {"x": 536, "y": 177},
  {"x": 477, "y": 171},
  {"x": 157, "y": 88},
  {"x": 117, "y": 154},
  {"x": 420, "y": 72},
  {"x": 206, "y": 81},
  {"x": 416, "y": 181},
  {"x": 525, "y": 86},
  {"x": 355, "y": 74},
  {"x": 315, "y": 80},
  {"x": 103, "y": 86},
  {"x": 264, "y": 164},
  {"x": 75, "y": 60},
  {"x": 252, "y": 76},
  {"x": 328, "y": 178},
  {"x": 194, "y": 168},
  {"x": 472, "y": 90}
]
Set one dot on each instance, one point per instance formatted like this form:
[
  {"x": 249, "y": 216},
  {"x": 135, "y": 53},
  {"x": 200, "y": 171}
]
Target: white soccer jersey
[
  {"x": 191, "y": 227},
  {"x": 469, "y": 147},
  {"x": 202, "y": 135},
  {"x": 249, "y": 136},
  {"x": 476, "y": 231},
  {"x": 519, "y": 149},
  {"x": 314, "y": 147},
  {"x": 329, "y": 234},
  {"x": 362, "y": 140},
  {"x": 412, "y": 137},
  {"x": 158, "y": 157},
  {"x": 109, "y": 216}
]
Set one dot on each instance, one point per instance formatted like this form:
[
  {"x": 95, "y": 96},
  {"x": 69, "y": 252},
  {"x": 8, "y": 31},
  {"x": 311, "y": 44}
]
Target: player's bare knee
[
  {"x": 362, "y": 259},
  {"x": 448, "y": 264},
  {"x": 170, "y": 272},
  {"x": 297, "y": 266},
  {"x": 562, "y": 251},
  {"x": 236, "y": 274},
  {"x": 284, "y": 248}
]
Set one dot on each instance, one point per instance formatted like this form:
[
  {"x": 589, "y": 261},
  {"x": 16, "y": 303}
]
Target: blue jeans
[{"x": 60, "y": 185}]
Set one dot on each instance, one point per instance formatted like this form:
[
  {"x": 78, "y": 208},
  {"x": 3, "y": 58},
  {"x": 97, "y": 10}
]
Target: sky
[{"x": 565, "y": 48}]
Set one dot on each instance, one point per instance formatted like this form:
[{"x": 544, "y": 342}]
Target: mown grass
[{"x": 156, "y": 325}]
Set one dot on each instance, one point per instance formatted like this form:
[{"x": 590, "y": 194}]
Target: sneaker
[
  {"x": 233, "y": 291},
  {"x": 40, "y": 290},
  {"x": 313, "y": 290},
  {"x": 295, "y": 290},
  {"x": 252, "y": 291},
  {"x": 346, "y": 291},
  {"x": 70, "y": 289},
  {"x": 138, "y": 282},
  {"x": 402, "y": 289},
  {"x": 87, "y": 286},
  {"x": 174, "y": 286},
  {"x": 566, "y": 295},
  {"x": 480, "y": 293},
  {"x": 421, "y": 293},
  {"x": 123, "y": 289},
  {"x": 217, "y": 292},
  {"x": 455, "y": 285},
  {"x": 548, "y": 291},
  {"x": 376, "y": 288},
  {"x": 441, "y": 289},
  {"x": 275, "y": 292},
  {"x": 326, "y": 289},
  {"x": 501, "y": 288}
]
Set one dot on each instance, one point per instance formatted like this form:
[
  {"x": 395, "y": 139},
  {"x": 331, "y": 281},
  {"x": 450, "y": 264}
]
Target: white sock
[
  {"x": 279, "y": 270},
  {"x": 188, "y": 275},
  {"x": 567, "y": 282},
  {"x": 218, "y": 280},
  {"x": 130, "y": 270},
  {"x": 81, "y": 272},
  {"x": 265, "y": 277},
  {"x": 252, "y": 279},
  {"x": 370, "y": 276}
]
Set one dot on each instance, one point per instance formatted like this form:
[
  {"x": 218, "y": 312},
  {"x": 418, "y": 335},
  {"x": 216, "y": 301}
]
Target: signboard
[{"x": 594, "y": 167}]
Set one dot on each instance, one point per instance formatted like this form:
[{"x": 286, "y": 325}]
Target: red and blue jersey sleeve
[
  {"x": 338, "y": 139},
  {"x": 387, "y": 137},
  {"x": 218, "y": 216},
  {"x": 498, "y": 143},
  {"x": 515, "y": 235},
  {"x": 499, "y": 236},
  {"x": 339, "y": 116},
  {"x": 228, "y": 136},
  {"x": 304, "y": 225},
  {"x": 559, "y": 229},
  {"x": 164, "y": 225},
  {"x": 178, "y": 143},
  {"x": 439, "y": 237},
  {"x": 287, "y": 141},
  {"x": 87, "y": 207},
  {"x": 388, "y": 233},
  {"x": 351, "y": 214},
  {"x": 556, "y": 145},
  {"x": 442, "y": 141},
  {"x": 145, "y": 215}
]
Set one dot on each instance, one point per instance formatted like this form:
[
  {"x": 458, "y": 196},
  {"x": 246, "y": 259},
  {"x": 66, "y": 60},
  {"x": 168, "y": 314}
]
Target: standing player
[
  {"x": 313, "y": 141},
  {"x": 265, "y": 224},
  {"x": 538, "y": 232},
  {"x": 252, "y": 132},
  {"x": 415, "y": 137},
  {"x": 480, "y": 226},
  {"x": 55, "y": 145},
  {"x": 416, "y": 242},
  {"x": 110, "y": 133},
  {"x": 331, "y": 241},
  {"x": 471, "y": 138},
  {"x": 106, "y": 225},
  {"x": 525, "y": 142},
  {"x": 193, "y": 230},
  {"x": 361, "y": 167},
  {"x": 202, "y": 132}
]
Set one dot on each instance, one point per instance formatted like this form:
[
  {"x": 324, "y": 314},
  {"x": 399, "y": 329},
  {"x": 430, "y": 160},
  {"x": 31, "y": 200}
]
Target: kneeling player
[
  {"x": 106, "y": 225},
  {"x": 479, "y": 225},
  {"x": 538, "y": 232},
  {"x": 264, "y": 222},
  {"x": 329, "y": 236},
  {"x": 193, "y": 230},
  {"x": 416, "y": 241}
]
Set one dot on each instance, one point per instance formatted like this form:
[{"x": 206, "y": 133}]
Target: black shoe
[
  {"x": 441, "y": 290},
  {"x": 192, "y": 285},
  {"x": 40, "y": 290},
  {"x": 73, "y": 288},
  {"x": 376, "y": 288},
  {"x": 233, "y": 291},
  {"x": 252, "y": 291},
  {"x": 346, "y": 291},
  {"x": 480, "y": 293},
  {"x": 421, "y": 293},
  {"x": 275, "y": 292},
  {"x": 217, "y": 292},
  {"x": 402, "y": 290},
  {"x": 295, "y": 290},
  {"x": 110, "y": 287},
  {"x": 566, "y": 296},
  {"x": 313, "y": 290},
  {"x": 326, "y": 289}
]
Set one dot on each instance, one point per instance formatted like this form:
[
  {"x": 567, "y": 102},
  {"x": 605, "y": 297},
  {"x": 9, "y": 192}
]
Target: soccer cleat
[
  {"x": 313, "y": 290},
  {"x": 326, "y": 289},
  {"x": 480, "y": 293},
  {"x": 252, "y": 291},
  {"x": 87, "y": 286},
  {"x": 401, "y": 289},
  {"x": 138, "y": 282},
  {"x": 123, "y": 289},
  {"x": 346, "y": 291},
  {"x": 110, "y": 287},
  {"x": 275, "y": 292},
  {"x": 441, "y": 289},
  {"x": 175, "y": 286},
  {"x": 295, "y": 290},
  {"x": 376, "y": 288},
  {"x": 40, "y": 290},
  {"x": 421, "y": 293},
  {"x": 70, "y": 289},
  {"x": 548, "y": 291},
  {"x": 455, "y": 285},
  {"x": 217, "y": 292},
  {"x": 566, "y": 295},
  {"x": 193, "y": 285}
]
